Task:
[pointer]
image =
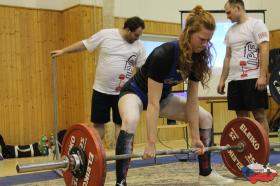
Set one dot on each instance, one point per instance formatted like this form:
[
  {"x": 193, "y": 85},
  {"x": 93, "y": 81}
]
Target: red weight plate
[
  {"x": 88, "y": 139},
  {"x": 252, "y": 135}
]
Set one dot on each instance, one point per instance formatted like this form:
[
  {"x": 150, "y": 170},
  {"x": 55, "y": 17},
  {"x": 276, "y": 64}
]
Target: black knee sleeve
[
  {"x": 205, "y": 159},
  {"x": 124, "y": 146}
]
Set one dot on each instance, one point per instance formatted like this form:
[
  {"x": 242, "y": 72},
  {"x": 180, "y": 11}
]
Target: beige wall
[{"x": 168, "y": 10}]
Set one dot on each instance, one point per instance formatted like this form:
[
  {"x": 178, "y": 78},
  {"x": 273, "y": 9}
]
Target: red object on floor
[{"x": 265, "y": 177}]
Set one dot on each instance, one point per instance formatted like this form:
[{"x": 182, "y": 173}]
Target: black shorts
[
  {"x": 101, "y": 105},
  {"x": 242, "y": 95},
  {"x": 131, "y": 87}
]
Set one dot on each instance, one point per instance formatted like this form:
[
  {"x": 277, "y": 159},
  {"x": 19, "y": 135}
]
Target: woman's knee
[
  {"x": 205, "y": 119},
  {"x": 130, "y": 107},
  {"x": 130, "y": 122}
]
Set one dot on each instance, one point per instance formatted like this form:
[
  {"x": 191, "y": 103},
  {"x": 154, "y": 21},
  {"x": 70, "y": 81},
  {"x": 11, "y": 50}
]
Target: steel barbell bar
[
  {"x": 64, "y": 162},
  {"x": 170, "y": 152},
  {"x": 73, "y": 162}
]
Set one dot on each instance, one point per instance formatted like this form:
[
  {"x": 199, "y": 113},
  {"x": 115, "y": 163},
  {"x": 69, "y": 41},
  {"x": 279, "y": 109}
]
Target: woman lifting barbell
[{"x": 149, "y": 89}]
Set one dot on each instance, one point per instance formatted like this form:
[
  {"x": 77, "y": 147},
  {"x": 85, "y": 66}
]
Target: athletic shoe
[{"x": 214, "y": 179}]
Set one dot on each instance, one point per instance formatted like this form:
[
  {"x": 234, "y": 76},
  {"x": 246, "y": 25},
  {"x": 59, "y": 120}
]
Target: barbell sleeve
[{"x": 50, "y": 165}]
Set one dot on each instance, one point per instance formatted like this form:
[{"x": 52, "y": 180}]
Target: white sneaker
[
  {"x": 122, "y": 183},
  {"x": 214, "y": 179}
]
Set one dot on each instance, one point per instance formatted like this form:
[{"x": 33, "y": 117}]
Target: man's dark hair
[
  {"x": 237, "y": 2},
  {"x": 133, "y": 23}
]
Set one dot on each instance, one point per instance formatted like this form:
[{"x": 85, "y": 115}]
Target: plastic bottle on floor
[{"x": 43, "y": 146}]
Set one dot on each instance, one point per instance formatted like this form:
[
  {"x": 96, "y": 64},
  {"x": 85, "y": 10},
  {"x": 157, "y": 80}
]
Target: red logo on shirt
[
  {"x": 263, "y": 35},
  {"x": 121, "y": 83}
]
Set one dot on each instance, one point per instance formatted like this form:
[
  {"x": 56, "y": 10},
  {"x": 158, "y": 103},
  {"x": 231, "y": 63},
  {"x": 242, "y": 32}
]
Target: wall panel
[
  {"x": 275, "y": 39},
  {"x": 155, "y": 27},
  {"x": 26, "y": 85},
  {"x": 26, "y": 110}
]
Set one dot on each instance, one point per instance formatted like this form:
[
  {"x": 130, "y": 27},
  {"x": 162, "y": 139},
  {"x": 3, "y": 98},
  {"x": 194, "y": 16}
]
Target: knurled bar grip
[{"x": 168, "y": 152}]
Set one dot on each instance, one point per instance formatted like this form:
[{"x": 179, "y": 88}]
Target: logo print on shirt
[
  {"x": 121, "y": 83},
  {"x": 251, "y": 53},
  {"x": 263, "y": 35},
  {"x": 128, "y": 68},
  {"x": 251, "y": 61},
  {"x": 128, "y": 72}
]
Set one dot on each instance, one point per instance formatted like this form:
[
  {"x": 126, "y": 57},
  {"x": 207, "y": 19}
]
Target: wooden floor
[{"x": 7, "y": 166}]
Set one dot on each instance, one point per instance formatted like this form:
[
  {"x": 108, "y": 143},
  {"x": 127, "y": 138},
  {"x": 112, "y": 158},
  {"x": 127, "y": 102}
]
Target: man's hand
[
  {"x": 150, "y": 151},
  {"x": 56, "y": 53},
  {"x": 261, "y": 83},
  {"x": 221, "y": 88}
]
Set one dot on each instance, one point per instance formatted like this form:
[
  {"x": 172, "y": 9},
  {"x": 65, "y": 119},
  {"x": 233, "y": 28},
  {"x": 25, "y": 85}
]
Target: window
[
  {"x": 218, "y": 42},
  {"x": 152, "y": 41}
]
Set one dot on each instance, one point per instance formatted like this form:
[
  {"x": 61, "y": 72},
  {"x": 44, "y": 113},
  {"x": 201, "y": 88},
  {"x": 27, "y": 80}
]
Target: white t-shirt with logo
[
  {"x": 116, "y": 60},
  {"x": 243, "y": 39}
]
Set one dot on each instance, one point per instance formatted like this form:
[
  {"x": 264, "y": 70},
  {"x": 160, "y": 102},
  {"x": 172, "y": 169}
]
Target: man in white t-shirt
[
  {"x": 246, "y": 64},
  {"x": 120, "y": 51}
]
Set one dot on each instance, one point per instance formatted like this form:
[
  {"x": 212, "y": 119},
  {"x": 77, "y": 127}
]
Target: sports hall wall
[{"x": 28, "y": 34}]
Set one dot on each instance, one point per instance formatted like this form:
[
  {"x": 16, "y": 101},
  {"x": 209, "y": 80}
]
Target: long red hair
[{"x": 196, "y": 20}]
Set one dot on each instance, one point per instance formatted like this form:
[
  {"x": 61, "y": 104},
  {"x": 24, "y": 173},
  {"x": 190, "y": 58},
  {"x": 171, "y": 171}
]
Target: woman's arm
[
  {"x": 192, "y": 109},
  {"x": 192, "y": 113},
  {"x": 152, "y": 114}
]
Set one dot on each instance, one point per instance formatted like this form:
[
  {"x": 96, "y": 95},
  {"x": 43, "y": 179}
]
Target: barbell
[{"x": 83, "y": 161}]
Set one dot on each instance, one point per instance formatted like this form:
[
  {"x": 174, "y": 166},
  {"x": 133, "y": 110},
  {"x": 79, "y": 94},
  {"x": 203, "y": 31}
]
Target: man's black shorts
[
  {"x": 242, "y": 95},
  {"x": 101, "y": 106}
]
